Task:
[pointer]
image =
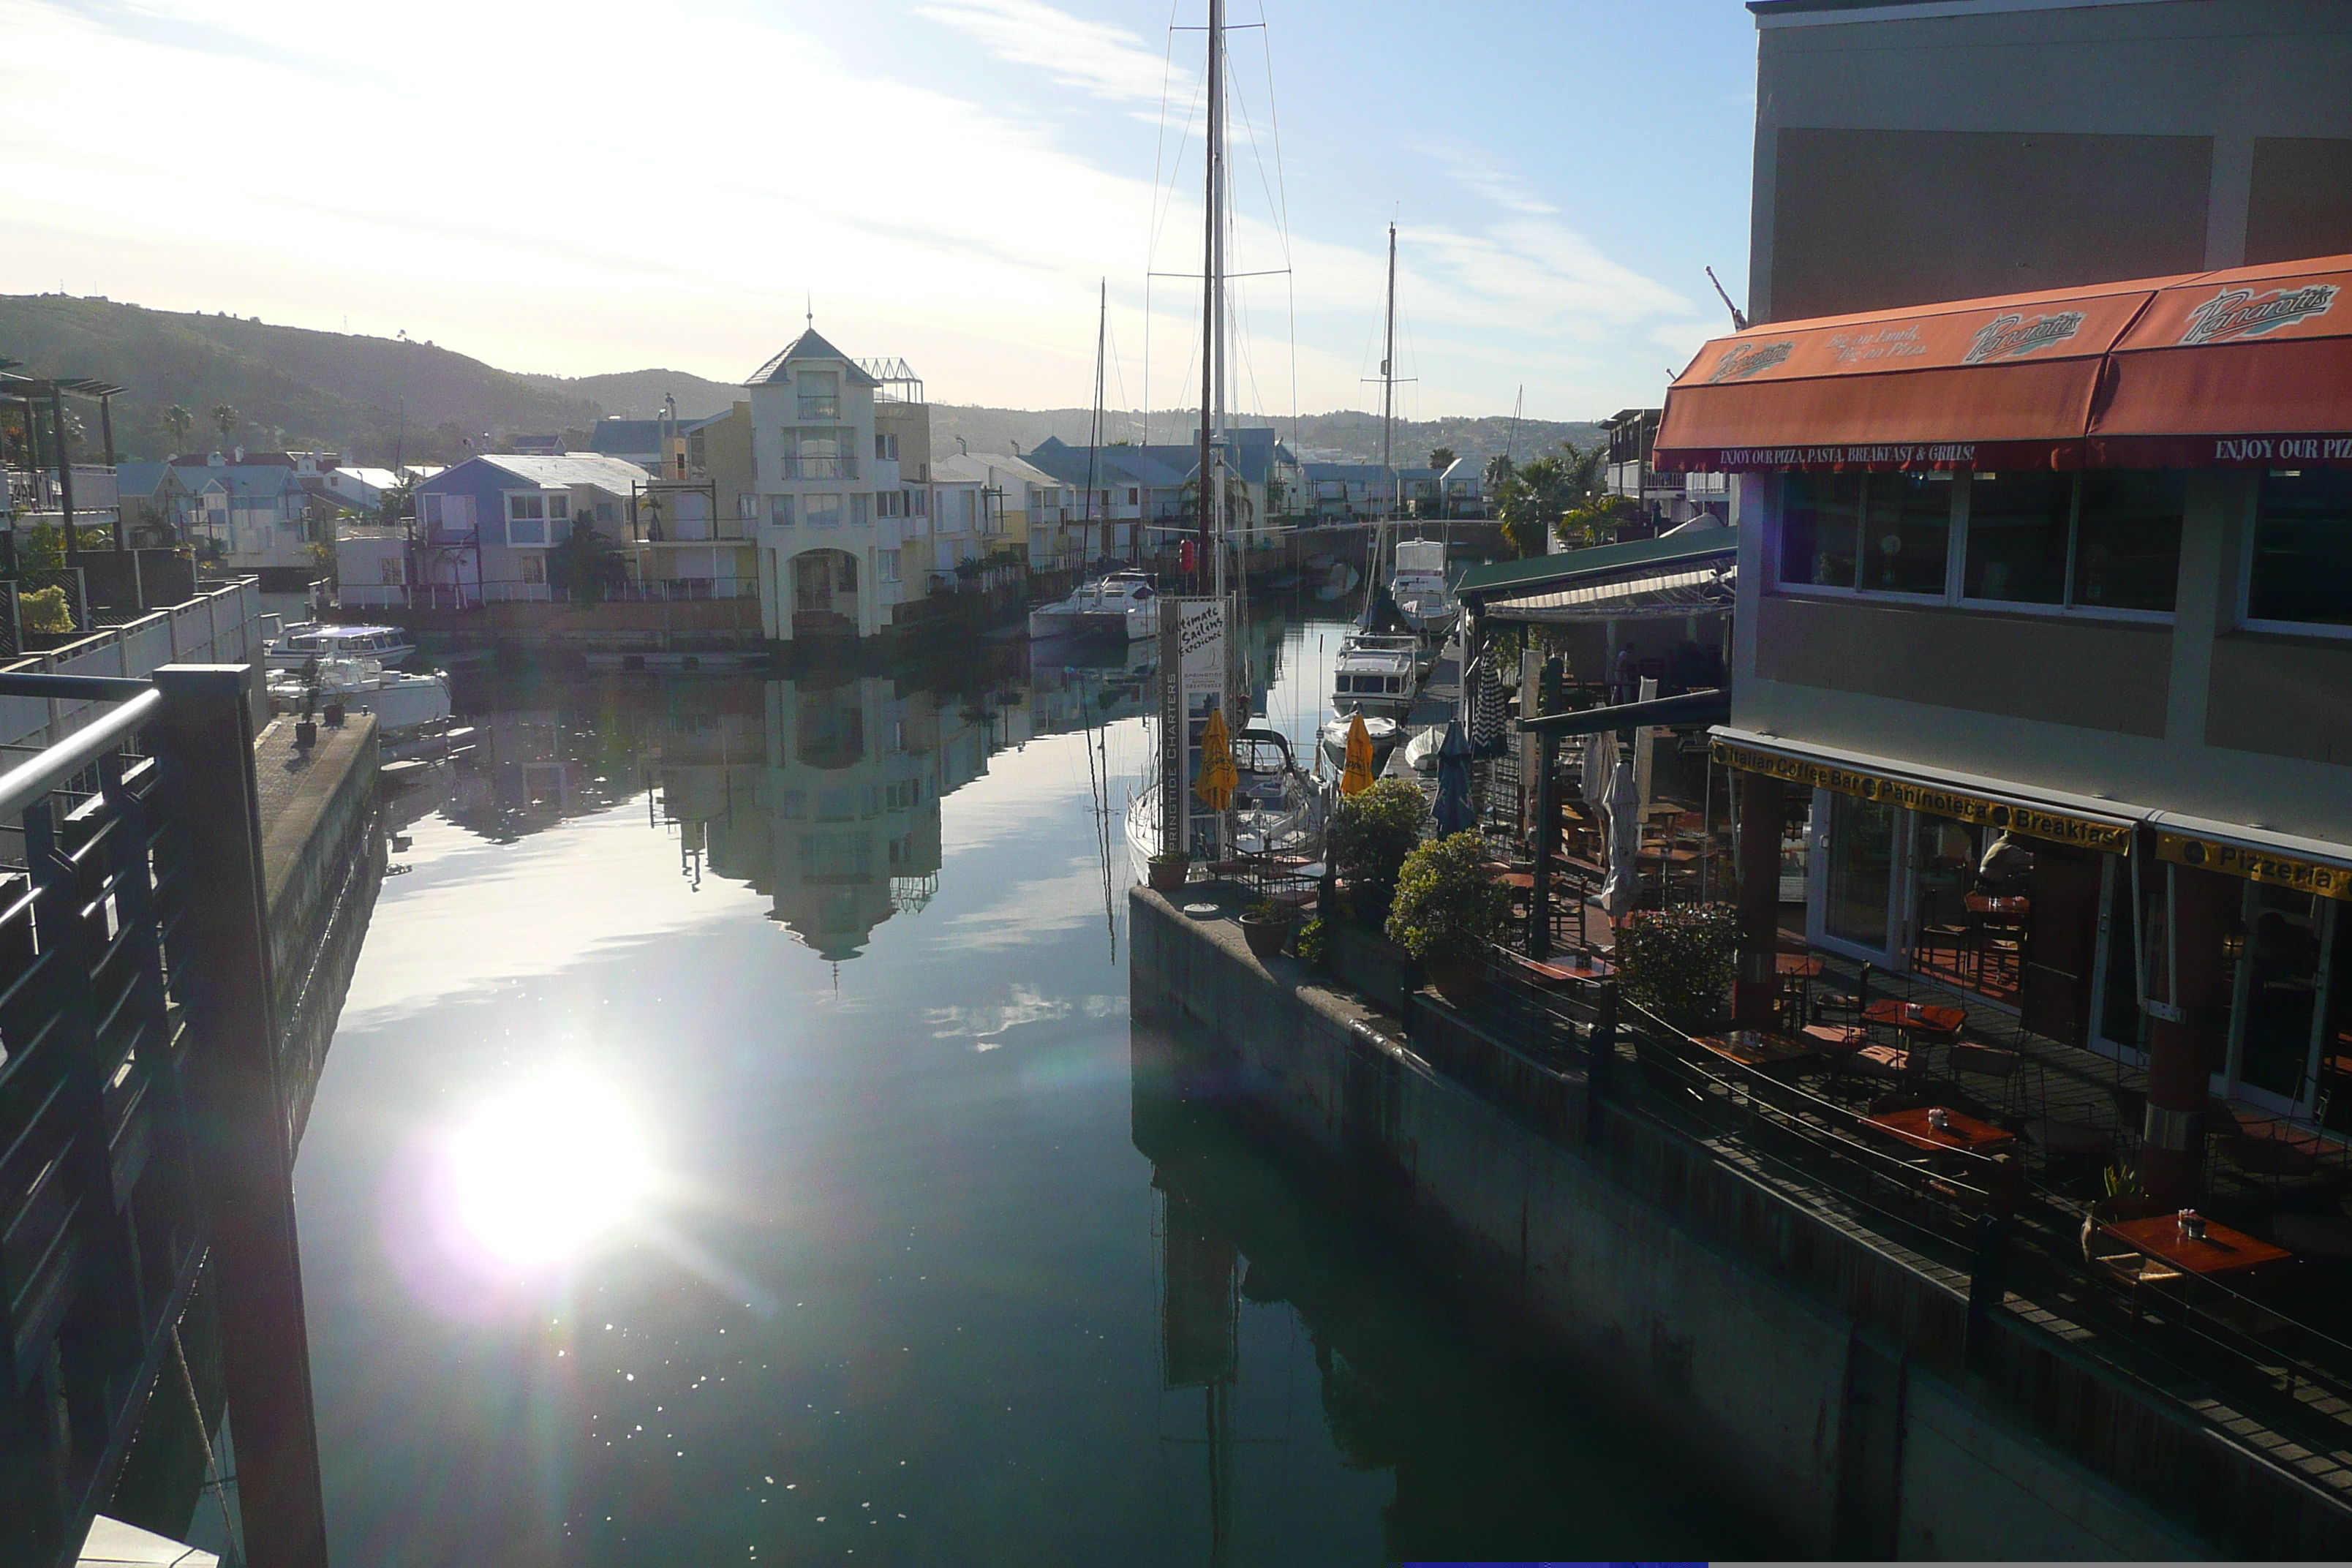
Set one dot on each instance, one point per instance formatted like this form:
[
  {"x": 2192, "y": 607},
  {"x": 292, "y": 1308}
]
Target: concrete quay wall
[
  {"x": 322, "y": 861},
  {"x": 1815, "y": 1375}
]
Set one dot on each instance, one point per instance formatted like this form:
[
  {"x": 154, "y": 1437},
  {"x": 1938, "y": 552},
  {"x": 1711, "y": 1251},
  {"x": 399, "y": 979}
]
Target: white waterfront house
[{"x": 828, "y": 551}]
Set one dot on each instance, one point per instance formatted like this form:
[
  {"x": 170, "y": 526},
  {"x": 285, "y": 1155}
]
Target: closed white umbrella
[{"x": 1624, "y": 884}]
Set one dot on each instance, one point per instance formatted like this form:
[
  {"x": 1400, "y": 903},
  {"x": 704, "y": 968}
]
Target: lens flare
[{"x": 538, "y": 1174}]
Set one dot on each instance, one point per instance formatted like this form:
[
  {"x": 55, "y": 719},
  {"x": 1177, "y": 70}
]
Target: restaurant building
[{"x": 2074, "y": 567}]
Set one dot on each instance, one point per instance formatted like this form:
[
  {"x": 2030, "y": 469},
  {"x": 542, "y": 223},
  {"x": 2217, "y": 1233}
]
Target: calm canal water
[{"x": 730, "y": 1154}]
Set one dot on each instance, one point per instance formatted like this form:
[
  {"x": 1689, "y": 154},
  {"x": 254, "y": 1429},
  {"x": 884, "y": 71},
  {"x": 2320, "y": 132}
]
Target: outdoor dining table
[
  {"x": 1964, "y": 1133},
  {"x": 1761, "y": 1048},
  {"x": 2220, "y": 1250},
  {"x": 1917, "y": 1021}
]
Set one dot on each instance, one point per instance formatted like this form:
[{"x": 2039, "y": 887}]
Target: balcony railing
[{"x": 820, "y": 468}]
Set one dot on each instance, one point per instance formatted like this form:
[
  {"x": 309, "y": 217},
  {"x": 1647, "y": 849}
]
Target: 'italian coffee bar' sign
[
  {"x": 2255, "y": 864},
  {"x": 2011, "y": 816}
]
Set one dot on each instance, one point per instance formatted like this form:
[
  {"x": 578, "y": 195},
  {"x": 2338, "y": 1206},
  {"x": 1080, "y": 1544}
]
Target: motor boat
[
  {"x": 1421, "y": 752},
  {"x": 388, "y": 646},
  {"x": 1377, "y": 676},
  {"x": 1418, "y": 585},
  {"x": 1123, "y": 604},
  {"x": 1278, "y": 807},
  {"x": 1333, "y": 738},
  {"x": 400, "y": 703}
]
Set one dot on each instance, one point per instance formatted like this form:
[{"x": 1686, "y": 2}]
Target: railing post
[
  {"x": 1599, "y": 1062},
  {"x": 244, "y": 1151},
  {"x": 1988, "y": 1285}
]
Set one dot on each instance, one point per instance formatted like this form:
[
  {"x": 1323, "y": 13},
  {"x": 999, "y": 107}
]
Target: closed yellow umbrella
[
  {"x": 1357, "y": 777},
  {"x": 1219, "y": 777}
]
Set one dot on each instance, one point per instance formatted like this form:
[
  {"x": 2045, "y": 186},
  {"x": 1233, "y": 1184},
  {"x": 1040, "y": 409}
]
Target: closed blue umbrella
[{"x": 1452, "y": 810}]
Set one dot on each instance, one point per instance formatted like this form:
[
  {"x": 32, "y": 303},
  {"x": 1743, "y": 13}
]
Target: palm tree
[
  {"x": 224, "y": 420},
  {"x": 1441, "y": 458},
  {"x": 178, "y": 423}
]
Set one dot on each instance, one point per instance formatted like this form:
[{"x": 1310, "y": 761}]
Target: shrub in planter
[
  {"x": 1266, "y": 926},
  {"x": 1678, "y": 963},
  {"x": 1371, "y": 834},
  {"x": 1166, "y": 872},
  {"x": 1308, "y": 943},
  {"x": 1449, "y": 909}
]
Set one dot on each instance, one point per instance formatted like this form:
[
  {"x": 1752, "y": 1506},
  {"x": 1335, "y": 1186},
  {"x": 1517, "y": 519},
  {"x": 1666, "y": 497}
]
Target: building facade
[{"x": 2044, "y": 628}]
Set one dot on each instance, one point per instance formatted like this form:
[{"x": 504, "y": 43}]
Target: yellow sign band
[{"x": 2033, "y": 821}]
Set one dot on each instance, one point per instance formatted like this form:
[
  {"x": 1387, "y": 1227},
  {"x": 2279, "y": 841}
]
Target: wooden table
[
  {"x": 1768, "y": 1050},
  {"x": 1917, "y": 1018},
  {"x": 1799, "y": 965},
  {"x": 2016, "y": 906},
  {"x": 1567, "y": 967},
  {"x": 1965, "y": 1132},
  {"x": 2221, "y": 1251}
]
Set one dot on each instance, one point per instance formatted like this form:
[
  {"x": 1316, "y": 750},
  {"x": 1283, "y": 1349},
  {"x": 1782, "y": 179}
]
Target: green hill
[
  {"x": 293, "y": 387},
  {"x": 379, "y": 397}
]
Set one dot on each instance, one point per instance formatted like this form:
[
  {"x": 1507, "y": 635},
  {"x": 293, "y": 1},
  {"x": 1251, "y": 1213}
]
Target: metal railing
[{"x": 140, "y": 1130}]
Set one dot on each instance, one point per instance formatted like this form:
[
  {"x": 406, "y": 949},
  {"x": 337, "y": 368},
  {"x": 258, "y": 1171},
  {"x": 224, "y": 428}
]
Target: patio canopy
[
  {"x": 2251, "y": 367},
  {"x": 1697, "y": 591}
]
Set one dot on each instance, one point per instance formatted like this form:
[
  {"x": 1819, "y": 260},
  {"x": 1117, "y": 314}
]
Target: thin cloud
[
  {"x": 1480, "y": 172},
  {"x": 1108, "y": 61}
]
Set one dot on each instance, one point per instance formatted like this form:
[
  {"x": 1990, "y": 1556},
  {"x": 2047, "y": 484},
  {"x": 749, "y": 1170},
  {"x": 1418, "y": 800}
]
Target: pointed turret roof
[{"x": 810, "y": 344}]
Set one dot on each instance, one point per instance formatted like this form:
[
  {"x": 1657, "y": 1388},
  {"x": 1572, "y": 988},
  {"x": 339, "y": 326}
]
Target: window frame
[
  {"x": 2244, "y": 619},
  {"x": 1955, "y": 596}
]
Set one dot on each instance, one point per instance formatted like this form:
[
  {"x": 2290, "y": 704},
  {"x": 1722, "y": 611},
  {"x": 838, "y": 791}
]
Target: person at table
[{"x": 2007, "y": 869}]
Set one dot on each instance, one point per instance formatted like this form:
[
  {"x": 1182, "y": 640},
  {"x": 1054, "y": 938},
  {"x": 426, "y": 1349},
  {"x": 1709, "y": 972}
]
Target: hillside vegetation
[{"x": 380, "y": 397}]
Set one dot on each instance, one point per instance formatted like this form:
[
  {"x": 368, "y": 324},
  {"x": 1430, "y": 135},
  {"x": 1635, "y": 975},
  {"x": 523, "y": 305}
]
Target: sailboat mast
[
  {"x": 1212, "y": 295},
  {"x": 1387, "y": 385},
  {"x": 1093, "y": 433}
]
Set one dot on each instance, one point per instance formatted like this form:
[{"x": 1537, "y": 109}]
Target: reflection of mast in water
[{"x": 1199, "y": 1319}]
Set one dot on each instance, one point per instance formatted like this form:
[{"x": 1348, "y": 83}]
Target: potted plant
[
  {"x": 1448, "y": 911},
  {"x": 1678, "y": 964},
  {"x": 1266, "y": 926},
  {"x": 1369, "y": 836},
  {"x": 1168, "y": 871}
]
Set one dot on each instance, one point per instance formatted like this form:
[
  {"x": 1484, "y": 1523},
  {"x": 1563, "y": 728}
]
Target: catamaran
[{"x": 1121, "y": 604}]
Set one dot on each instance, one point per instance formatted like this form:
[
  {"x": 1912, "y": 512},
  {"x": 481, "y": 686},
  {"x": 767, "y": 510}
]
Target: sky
[{"x": 602, "y": 187}]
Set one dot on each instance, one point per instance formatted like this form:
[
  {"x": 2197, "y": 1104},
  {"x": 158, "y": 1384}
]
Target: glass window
[
  {"x": 822, "y": 511},
  {"x": 1906, "y": 532},
  {"x": 2282, "y": 988},
  {"x": 2301, "y": 568},
  {"x": 1821, "y": 523},
  {"x": 861, "y": 509},
  {"x": 820, "y": 394},
  {"x": 559, "y": 507},
  {"x": 520, "y": 507},
  {"x": 1861, "y": 855},
  {"x": 535, "y": 569},
  {"x": 2127, "y": 539},
  {"x": 2016, "y": 537},
  {"x": 779, "y": 510}
]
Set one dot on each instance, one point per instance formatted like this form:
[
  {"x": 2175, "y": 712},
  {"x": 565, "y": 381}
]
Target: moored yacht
[
  {"x": 1278, "y": 807},
  {"x": 1417, "y": 586},
  {"x": 1121, "y": 605},
  {"x": 1377, "y": 676},
  {"x": 400, "y": 703},
  {"x": 314, "y": 639}
]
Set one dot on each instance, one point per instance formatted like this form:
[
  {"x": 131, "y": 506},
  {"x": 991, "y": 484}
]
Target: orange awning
[{"x": 2165, "y": 372}]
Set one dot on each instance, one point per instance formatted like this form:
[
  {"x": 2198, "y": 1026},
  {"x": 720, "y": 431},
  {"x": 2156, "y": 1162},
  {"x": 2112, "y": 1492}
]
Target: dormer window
[{"x": 820, "y": 393}]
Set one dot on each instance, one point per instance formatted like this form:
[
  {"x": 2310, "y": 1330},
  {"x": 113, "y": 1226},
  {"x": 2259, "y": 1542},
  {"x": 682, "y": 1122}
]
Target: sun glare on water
[{"x": 541, "y": 1173}]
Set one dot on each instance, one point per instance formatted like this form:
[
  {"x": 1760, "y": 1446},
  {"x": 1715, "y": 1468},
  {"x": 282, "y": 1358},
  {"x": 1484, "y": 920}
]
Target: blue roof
[{"x": 139, "y": 478}]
